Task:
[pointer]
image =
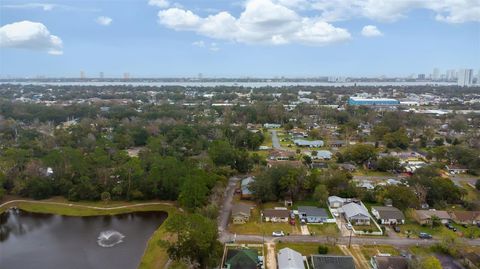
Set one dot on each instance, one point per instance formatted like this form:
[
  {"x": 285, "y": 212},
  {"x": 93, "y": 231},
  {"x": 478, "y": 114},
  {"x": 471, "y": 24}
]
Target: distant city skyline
[{"x": 244, "y": 38}]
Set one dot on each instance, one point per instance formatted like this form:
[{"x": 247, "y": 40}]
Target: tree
[
  {"x": 193, "y": 193},
  {"x": 388, "y": 163},
  {"x": 322, "y": 249},
  {"x": 402, "y": 197},
  {"x": 196, "y": 240},
  {"x": 430, "y": 262},
  {"x": 222, "y": 153},
  {"x": 398, "y": 139},
  {"x": 321, "y": 194},
  {"x": 360, "y": 153},
  {"x": 477, "y": 184},
  {"x": 105, "y": 196}
]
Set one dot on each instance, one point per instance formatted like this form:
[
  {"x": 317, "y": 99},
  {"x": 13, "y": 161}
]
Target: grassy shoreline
[{"x": 154, "y": 255}]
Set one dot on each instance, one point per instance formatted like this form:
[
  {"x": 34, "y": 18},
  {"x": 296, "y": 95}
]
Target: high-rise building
[
  {"x": 436, "y": 74},
  {"x": 126, "y": 76},
  {"x": 82, "y": 75},
  {"x": 100, "y": 75},
  {"x": 421, "y": 76},
  {"x": 465, "y": 77},
  {"x": 451, "y": 74}
]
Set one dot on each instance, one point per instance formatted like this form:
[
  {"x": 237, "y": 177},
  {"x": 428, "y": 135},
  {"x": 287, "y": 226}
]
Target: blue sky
[{"x": 260, "y": 38}]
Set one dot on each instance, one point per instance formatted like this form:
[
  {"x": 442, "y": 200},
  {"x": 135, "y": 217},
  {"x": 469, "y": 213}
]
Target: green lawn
[
  {"x": 473, "y": 195},
  {"x": 323, "y": 229},
  {"x": 154, "y": 256},
  {"x": 370, "y": 251},
  {"x": 308, "y": 248}
]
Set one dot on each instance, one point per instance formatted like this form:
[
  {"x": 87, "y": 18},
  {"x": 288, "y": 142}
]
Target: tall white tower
[{"x": 465, "y": 77}]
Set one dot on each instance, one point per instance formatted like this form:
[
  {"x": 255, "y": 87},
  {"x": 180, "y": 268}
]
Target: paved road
[
  {"x": 457, "y": 179},
  {"x": 276, "y": 141}
]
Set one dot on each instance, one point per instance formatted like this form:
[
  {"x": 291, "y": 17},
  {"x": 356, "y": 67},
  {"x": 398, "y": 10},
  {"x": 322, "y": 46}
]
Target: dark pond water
[{"x": 45, "y": 241}]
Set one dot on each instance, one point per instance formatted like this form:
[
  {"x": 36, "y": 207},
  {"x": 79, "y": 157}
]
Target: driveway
[{"x": 271, "y": 260}]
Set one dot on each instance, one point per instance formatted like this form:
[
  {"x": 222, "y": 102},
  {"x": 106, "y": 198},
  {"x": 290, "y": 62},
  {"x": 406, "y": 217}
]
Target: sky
[{"x": 221, "y": 38}]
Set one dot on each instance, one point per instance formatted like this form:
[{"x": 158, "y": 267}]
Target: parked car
[
  {"x": 396, "y": 229},
  {"x": 349, "y": 226},
  {"x": 335, "y": 214},
  {"x": 450, "y": 226},
  {"x": 278, "y": 234},
  {"x": 425, "y": 236}
]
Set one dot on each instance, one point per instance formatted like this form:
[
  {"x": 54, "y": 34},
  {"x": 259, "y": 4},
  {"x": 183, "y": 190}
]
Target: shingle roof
[
  {"x": 242, "y": 258},
  {"x": 241, "y": 208},
  {"x": 391, "y": 262},
  {"x": 332, "y": 262},
  {"x": 355, "y": 210},
  {"x": 389, "y": 212},
  {"x": 289, "y": 259},
  {"x": 313, "y": 211},
  {"x": 427, "y": 214},
  {"x": 278, "y": 213}
]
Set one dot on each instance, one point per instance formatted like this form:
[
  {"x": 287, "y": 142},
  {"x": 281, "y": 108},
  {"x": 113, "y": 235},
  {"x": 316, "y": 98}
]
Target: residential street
[
  {"x": 276, "y": 141},
  {"x": 224, "y": 216}
]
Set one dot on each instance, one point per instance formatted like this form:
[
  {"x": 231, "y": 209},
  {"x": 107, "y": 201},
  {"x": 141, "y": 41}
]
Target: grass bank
[{"x": 154, "y": 256}]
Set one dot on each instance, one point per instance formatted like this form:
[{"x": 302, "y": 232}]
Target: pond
[{"x": 45, "y": 241}]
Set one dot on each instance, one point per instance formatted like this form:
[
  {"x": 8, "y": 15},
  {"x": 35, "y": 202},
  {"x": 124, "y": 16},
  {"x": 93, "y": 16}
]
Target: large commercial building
[
  {"x": 465, "y": 77},
  {"x": 357, "y": 101}
]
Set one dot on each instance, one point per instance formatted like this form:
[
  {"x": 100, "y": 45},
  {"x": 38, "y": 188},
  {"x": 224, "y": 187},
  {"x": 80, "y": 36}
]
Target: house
[
  {"x": 281, "y": 155},
  {"x": 472, "y": 260},
  {"x": 240, "y": 213},
  {"x": 276, "y": 215},
  {"x": 356, "y": 214},
  {"x": 365, "y": 184},
  {"x": 272, "y": 125},
  {"x": 308, "y": 143},
  {"x": 389, "y": 262},
  {"x": 312, "y": 214},
  {"x": 425, "y": 216},
  {"x": 388, "y": 215},
  {"x": 465, "y": 217},
  {"x": 242, "y": 259},
  {"x": 347, "y": 167},
  {"x": 335, "y": 201},
  {"x": 289, "y": 259},
  {"x": 246, "y": 193},
  {"x": 331, "y": 262},
  {"x": 336, "y": 143},
  {"x": 456, "y": 169}
]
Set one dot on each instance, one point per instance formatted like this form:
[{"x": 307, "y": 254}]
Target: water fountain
[{"x": 110, "y": 238}]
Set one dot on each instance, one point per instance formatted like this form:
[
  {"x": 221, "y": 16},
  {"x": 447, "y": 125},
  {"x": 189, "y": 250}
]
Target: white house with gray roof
[
  {"x": 289, "y": 259},
  {"x": 356, "y": 214},
  {"x": 312, "y": 214}
]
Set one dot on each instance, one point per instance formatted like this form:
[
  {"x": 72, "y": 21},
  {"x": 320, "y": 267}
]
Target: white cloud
[
  {"x": 103, "y": 20},
  {"x": 371, "y": 31},
  {"x": 30, "y": 35},
  {"x": 48, "y": 7},
  {"x": 451, "y": 11},
  {"x": 202, "y": 44},
  {"x": 44, "y": 6},
  {"x": 262, "y": 21},
  {"x": 159, "y": 3}
]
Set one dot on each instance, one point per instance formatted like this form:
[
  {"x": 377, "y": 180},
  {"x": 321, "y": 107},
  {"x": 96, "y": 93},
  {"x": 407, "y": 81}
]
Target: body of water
[
  {"x": 46, "y": 241},
  {"x": 236, "y": 84}
]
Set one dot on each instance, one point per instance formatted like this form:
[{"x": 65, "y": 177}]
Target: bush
[{"x": 322, "y": 249}]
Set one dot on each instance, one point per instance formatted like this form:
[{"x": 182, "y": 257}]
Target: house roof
[
  {"x": 465, "y": 215},
  {"x": 245, "y": 185},
  {"x": 242, "y": 259},
  {"x": 289, "y": 259},
  {"x": 241, "y": 209},
  {"x": 302, "y": 142},
  {"x": 313, "y": 211},
  {"x": 354, "y": 210},
  {"x": 427, "y": 214},
  {"x": 332, "y": 199},
  {"x": 389, "y": 212},
  {"x": 276, "y": 213},
  {"x": 391, "y": 262},
  {"x": 332, "y": 262}
]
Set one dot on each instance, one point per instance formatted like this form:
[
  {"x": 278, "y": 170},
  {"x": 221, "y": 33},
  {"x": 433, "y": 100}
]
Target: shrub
[{"x": 322, "y": 249}]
